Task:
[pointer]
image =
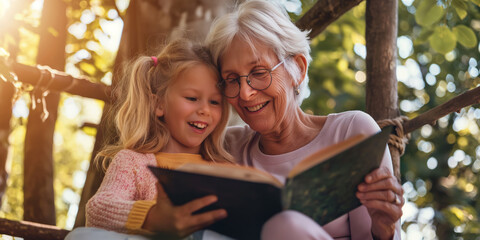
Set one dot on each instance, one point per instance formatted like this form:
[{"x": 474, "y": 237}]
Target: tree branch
[
  {"x": 323, "y": 13},
  {"x": 453, "y": 105},
  {"x": 62, "y": 82},
  {"x": 31, "y": 230}
]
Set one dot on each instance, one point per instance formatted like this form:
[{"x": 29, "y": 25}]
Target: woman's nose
[{"x": 246, "y": 91}]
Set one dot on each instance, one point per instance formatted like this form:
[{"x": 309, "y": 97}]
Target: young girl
[{"x": 170, "y": 112}]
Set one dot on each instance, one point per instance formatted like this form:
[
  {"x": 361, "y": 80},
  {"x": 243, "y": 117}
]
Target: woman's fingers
[
  {"x": 378, "y": 175},
  {"x": 380, "y": 179},
  {"x": 394, "y": 211},
  {"x": 387, "y": 196},
  {"x": 385, "y": 184}
]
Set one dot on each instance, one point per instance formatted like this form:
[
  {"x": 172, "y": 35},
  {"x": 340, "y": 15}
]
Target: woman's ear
[{"x": 301, "y": 62}]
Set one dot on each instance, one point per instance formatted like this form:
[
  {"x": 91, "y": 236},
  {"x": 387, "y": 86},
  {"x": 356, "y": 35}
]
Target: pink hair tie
[{"x": 155, "y": 60}]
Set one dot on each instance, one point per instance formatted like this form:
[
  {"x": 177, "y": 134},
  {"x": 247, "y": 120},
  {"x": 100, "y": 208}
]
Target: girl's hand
[
  {"x": 382, "y": 194},
  {"x": 178, "y": 221}
]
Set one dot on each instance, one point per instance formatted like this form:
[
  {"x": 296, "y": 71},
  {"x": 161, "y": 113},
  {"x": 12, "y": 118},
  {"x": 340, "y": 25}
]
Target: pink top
[
  {"x": 128, "y": 190},
  {"x": 244, "y": 147}
]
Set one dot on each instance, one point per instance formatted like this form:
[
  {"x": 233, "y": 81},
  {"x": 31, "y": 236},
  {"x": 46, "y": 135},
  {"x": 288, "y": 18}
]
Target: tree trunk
[
  {"x": 148, "y": 25},
  {"x": 7, "y": 92},
  {"x": 381, "y": 89},
  {"x": 39, "y": 203}
]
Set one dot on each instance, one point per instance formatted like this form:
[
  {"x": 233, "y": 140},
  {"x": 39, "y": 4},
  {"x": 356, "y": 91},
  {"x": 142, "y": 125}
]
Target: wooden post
[
  {"x": 39, "y": 203},
  {"x": 381, "y": 89}
]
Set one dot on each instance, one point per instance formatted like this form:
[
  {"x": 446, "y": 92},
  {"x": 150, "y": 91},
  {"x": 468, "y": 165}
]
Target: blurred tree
[
  {"x": 10, "y": 35},
  {"x": 38, "y": 190}
]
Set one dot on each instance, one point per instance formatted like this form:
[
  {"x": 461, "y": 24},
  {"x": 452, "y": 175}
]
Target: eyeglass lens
[{"x": 259, "y": 80}]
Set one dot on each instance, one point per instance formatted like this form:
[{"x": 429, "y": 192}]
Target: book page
[
  {"x": 231, "y": 171},
  {"x": 324, "y": 154}
]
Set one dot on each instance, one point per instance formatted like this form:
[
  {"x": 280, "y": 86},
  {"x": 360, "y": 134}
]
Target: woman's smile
[{"x": 257, "y": 107}]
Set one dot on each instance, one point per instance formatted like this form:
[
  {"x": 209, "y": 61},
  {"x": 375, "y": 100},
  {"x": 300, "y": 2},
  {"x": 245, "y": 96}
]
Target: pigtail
[
  {"x": 135, "y": 115},
  {"x": 134, "y": 112}
]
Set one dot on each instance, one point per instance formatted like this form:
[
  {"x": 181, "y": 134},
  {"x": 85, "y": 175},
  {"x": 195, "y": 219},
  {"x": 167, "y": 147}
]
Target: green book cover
[
  {"x": 327, "y": 190},
  {"x": 322, "y": 186}
]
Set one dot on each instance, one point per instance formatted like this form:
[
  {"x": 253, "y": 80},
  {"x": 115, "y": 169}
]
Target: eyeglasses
[{"x": 258, "y": 79}]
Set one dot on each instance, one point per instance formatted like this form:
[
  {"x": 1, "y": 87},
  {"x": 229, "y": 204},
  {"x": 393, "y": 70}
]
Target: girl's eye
[
  {"x": 193, "y": 99},
  {"x": 215, "y": 102}
]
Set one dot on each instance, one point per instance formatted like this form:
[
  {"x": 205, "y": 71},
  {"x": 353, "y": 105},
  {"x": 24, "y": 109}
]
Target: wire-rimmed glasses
[{"x": 258, "y": 79}]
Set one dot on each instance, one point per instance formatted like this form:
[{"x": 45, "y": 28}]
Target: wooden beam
[
  {"x": 324, "y": 12},
  {"x": 61, "y": 82},
  {"x": 453, "y": 105},
  {"x": 31, "y": 230}
]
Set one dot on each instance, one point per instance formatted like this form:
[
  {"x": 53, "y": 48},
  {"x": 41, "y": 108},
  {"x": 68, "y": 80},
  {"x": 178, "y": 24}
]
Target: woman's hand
[
  {"x": 382, "y": 194},
  {"x": 178, "y": 221}
]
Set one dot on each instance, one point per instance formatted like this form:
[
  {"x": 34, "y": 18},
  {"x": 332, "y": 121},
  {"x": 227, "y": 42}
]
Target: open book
[{"x": 322, "y": 186}]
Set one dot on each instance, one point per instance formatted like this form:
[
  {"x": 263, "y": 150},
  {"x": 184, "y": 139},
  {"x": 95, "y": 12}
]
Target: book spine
[{"x": 287, "y": 194}]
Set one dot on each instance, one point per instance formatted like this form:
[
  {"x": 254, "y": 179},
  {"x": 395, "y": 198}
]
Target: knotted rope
[{"x": 399, "y": 139}]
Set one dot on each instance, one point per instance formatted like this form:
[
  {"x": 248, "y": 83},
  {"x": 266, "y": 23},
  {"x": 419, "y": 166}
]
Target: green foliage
[
  {"x": 465, "y": 36},
  {"x": 428, "y": 13},
  {"x": 441, "y": 162},
  {"x": 460, "y": 8},
  {"x": 335, "y": 65},
  {"x": 442, "y": 40}
]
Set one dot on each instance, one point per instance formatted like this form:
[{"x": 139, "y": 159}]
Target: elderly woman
[{"x": 263, "y": 60}]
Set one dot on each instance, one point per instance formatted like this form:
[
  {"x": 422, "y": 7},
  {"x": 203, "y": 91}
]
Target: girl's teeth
[{"x": 199, "y": 125}]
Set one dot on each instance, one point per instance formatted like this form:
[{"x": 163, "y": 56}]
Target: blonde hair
[
  {"x": 265, "y": 22},
  {"x": 144, "y": 83}
]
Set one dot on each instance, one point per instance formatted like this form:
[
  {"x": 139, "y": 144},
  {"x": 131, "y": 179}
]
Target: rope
[{"x": 399, "y": 139}]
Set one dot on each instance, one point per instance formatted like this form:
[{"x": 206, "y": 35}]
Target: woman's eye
[{"x": 231, "y": 79}]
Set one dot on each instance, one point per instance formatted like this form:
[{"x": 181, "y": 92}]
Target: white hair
[{"x": 269, "y": 24}]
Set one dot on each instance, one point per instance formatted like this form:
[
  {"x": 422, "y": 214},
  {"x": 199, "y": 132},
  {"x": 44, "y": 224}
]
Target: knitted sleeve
[{"x": 127, "y": 183}]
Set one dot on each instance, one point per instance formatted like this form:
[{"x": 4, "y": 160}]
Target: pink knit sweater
[{"x": 128, "y": 190}]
